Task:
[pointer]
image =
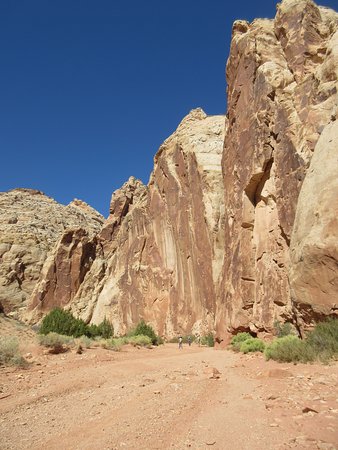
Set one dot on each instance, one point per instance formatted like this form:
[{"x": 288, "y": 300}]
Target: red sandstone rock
[
  {"x": 31, "y": 224},
  {"x": 162, "y": 244},
  {"x": 206, "y": 245},
  {"x": 282, "y": 93},
  {"x": 63, "y": 272}
]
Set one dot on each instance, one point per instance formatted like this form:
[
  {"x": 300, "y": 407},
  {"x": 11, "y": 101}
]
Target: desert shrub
[
  {"x": 92, "y": 331},
  {"x": 99, "y": 342},
  {"x": 320, "y": 344},
  {"x": 208, "y": 340},
  {"x": 238, "y": 339},
  {"x": 252, "y": 345},
  {"x": 160, "y": 340},
  {"x": 174, "y": 340},
  {"x": 324, "y": 339},
  {"x": 85, "y": 341},
  {"x": 114, "y": 344},
  {"x": 144, "y": 329},
  {"x": 186, "y": 338},
  {"x": 141, "y": 340},
  {"x": 287, "y": 349},
  {"x": 105, "y": 329},
  {"x": 62, "y": 322},
  {"x": 9, "y": 352},
  {"x": 283, "y": 329},
  {"x": 58, "y": 343}
]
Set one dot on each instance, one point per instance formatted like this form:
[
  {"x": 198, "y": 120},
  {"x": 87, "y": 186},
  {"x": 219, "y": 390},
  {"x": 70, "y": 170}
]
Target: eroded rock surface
[
  {"x": 237, "y": 227},
  {"x": 162, "y": 246},
  {"x": 30, "y": 226},
  {"x": 314, "y": 248},
  {"x": 282, "y": 93}
]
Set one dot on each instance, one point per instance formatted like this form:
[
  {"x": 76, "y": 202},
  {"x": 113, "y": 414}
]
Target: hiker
[
  {"x": 189, "y": 340},
  {"x": 180, "y": 342}
]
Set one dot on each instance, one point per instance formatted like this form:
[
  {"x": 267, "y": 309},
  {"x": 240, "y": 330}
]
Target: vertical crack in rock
[{"x": 256, "y": 184}]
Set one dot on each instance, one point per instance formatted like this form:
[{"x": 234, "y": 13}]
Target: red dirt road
[{"x": 164, "y": 398}]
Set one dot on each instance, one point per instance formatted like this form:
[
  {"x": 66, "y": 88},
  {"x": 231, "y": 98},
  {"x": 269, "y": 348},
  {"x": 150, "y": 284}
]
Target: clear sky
[{"x": 89, "y": 89}]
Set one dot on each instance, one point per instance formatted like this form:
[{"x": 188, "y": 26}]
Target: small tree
[
  {"x": 282, "y": 329},
  {"x": 62, "y": 322},
  {"x": 92, "y": 331},
  {"x": 105, "y": 329},
  {"x": 208, "y": 340},
  {"x": 146, "y": 330}
]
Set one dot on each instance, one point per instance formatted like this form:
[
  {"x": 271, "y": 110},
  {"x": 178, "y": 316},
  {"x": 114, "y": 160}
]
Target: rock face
[
  {"x": 282, "y": 94},
  {"x": 63, "y": 272},
  {"x": 162, "y": 246},
  {"x": 30, "y": 226},
  {"x": 237, "y": 227},
  {"x": 314, "y": 249}
]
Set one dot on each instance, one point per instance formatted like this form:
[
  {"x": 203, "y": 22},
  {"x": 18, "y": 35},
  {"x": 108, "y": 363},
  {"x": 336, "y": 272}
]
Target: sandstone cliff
[
  {"x": 162, "y": 246},
  {"x": 314, "y": 248},
  {"x": 30, "y": 226},
  {"x": 238, "y": 225},
  {"x": 282, "y": 95}
]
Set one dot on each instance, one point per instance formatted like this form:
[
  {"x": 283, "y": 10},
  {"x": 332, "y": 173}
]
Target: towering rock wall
[
  {"x": 237, "y": 227},
  {"x": 162, "y": 246},
  {"x": 314, "y": 242},
  {"x": 30, "y": 226},
  {"x": 282, "y": 94}
]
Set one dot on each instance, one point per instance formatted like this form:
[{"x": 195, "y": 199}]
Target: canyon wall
[
  {"x": 237, "y": 227},
  {"x": 31, "y": 224},
  {"x": 162, "y": 245},
  {"x": 282, "y": 95}
]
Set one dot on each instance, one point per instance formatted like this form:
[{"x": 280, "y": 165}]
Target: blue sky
[{"x": 89, "y": 89}]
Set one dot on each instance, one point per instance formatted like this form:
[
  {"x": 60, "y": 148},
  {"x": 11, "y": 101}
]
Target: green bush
[
  {"x": 174, "y": 340},
  {"x": 145, "y": 330},
  {"x": 186, "y": 338},
  {"x": 64, "y": 323},
  {"x": 320, "y": 344},
  {"x": 105, "y": 329},
  {"x": 160, "y": 340},
  {"x": 208, "y": 340},
  {"x": 58, "y": 343},
  {"x": 245, "y": 343},
  {"x": 9, "y": 352},
  {"x": 92, "y": 331},
  {"x": 283, "y": 329},
  {"x": 140, "y": 340},
  {"x": 324, "y": 339},
  {"x": 252, "y": 345},
  {"x": 238, "y": 339},
  {"x": 114, "y": 344},
  {"x": 85, "y": 341},
  {"x": 287, "y": 349}
]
